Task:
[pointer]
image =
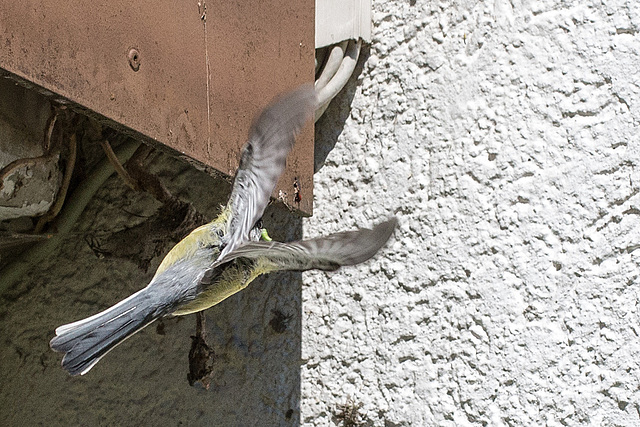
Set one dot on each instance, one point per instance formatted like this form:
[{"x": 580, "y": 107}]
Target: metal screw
[{"x": 134, "y": 59}]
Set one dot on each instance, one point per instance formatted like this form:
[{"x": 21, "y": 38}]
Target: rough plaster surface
[{"x": 504, "y": 135}]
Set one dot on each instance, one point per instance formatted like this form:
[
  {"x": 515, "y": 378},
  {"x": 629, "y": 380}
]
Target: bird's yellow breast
[{"x": 235, "y": 277}]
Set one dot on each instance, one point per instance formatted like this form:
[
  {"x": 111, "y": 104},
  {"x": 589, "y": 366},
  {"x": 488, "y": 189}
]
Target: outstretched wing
[
  {"x": 323, "y": 253},
  {"x": 271, "y": 137}
]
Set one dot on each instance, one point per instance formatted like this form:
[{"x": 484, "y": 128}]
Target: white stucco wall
[{"x": 504, "y": 135}]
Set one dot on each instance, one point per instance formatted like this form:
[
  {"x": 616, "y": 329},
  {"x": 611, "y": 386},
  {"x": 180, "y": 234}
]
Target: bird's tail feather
[{"x": 86, "y": 341}]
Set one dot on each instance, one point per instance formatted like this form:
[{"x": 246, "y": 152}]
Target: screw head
[{"x": 134, "y": 59}]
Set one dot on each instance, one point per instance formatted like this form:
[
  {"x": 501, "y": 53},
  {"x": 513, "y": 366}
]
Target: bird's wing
[
  {"x": 271, "y": 137},
  {"x": 323, "y": 253}
]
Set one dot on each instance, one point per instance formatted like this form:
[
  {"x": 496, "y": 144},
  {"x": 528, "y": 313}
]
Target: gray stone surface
[{"x": 504, "y": 135}]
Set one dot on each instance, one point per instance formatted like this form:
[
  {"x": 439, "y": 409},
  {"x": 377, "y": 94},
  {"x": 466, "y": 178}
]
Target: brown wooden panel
[{"x": 205, "y": 69}]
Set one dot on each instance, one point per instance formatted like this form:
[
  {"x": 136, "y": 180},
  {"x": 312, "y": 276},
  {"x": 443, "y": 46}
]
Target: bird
[{"x": 220, "y": 258}]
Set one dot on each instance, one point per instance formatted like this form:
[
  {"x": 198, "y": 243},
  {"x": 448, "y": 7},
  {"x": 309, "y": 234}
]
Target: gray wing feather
[
  {"x": 271, "y": 137},
  {"x": 323, "y": 253}
]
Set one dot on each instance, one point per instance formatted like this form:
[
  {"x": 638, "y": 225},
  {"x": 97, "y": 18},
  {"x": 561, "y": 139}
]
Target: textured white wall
[{"x": 504, "y": 135}]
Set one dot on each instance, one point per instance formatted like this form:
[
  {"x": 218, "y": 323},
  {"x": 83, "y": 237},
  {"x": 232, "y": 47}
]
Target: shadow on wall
[
  {"x": 330, "y": 125},
  {"x": 255, "y": 334}
]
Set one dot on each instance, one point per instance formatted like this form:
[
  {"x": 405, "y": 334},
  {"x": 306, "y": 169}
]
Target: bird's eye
[{"x": 259, "y": 223}]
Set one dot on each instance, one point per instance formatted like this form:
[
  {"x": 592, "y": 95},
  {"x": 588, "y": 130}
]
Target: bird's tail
[{"x": 86, "y": 341}]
